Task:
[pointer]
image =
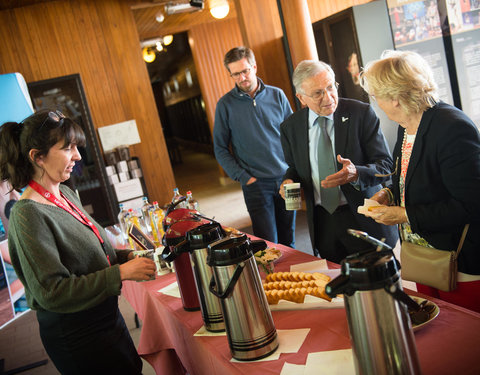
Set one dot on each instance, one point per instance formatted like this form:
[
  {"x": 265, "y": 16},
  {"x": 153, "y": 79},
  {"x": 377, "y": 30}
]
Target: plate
[{"x": 433, "y": 314}]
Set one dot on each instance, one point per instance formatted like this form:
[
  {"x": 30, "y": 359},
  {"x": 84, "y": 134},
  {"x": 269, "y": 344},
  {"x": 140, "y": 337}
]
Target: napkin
[
  {"x": 289, "y": 341},
  {"x": 314, "y": 266},
  {"x": 292, "y": 369},
  {"x": 171, "y": 290},
  {"x": 367, "y": 203},
  {"x": 333, "y": 362}
]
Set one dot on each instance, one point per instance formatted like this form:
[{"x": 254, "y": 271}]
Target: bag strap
[{"x": 462, "y": 239}]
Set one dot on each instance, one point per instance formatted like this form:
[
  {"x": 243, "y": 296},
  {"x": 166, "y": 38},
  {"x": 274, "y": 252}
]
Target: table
[{"x": 448, "y": 344}]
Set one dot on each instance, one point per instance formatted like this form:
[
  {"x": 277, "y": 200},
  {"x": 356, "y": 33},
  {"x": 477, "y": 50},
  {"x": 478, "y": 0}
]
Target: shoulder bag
[{"x": 430, "y": 266}]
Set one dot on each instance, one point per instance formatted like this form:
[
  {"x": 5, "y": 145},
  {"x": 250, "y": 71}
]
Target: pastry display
[{"x": 294, "y": 286}]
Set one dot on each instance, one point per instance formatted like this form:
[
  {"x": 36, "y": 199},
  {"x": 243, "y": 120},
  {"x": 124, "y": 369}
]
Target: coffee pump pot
[
  {"x": 378, "y": 320},
  {"x": 196, "y": 243},
  {"x": 180, "y": 222},
  {"x": 236, "y": 281}
]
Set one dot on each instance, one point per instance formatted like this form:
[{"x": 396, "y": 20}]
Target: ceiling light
[
  {"x": 159, "y": 47},
  {"x": 219, "y": 8},
  {"x": 191, "y": 6},
  {"x": 160, "y": 17},
  {"x": 167, "y": 40},
  {"x": 148, "y": 54}
]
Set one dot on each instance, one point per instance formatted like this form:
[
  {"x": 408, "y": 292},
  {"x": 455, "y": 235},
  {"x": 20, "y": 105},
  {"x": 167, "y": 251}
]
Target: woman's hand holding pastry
[
  {"x": 137, "y": 269},
  {"x": 383, "y": 197},
  {"x": 388, "y": 215}
]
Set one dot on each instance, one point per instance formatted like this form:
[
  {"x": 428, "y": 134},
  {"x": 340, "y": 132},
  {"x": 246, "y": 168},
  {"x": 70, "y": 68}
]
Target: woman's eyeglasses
[{"x": 56, "y": 117}]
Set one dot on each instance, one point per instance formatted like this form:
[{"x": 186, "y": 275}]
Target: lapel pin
[{"x": 344, "y": 119}]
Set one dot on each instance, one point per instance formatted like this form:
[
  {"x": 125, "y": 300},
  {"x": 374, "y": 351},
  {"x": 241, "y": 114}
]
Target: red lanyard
[{"x": 76, "y": 213}]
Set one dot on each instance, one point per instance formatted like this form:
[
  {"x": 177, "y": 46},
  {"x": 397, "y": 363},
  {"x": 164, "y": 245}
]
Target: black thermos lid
[
  {"x": 200, "y": 237},
  {"x": 372, "y": 270},
  {"x": 228, "y": 251}
]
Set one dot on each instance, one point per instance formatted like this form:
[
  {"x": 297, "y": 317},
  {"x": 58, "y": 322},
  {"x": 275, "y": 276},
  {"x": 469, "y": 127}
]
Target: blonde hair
[{"x": 404, "y": 76}]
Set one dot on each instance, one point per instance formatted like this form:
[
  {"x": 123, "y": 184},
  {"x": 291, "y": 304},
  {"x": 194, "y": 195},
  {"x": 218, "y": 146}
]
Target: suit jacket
[
  {"x": 359, "y": 138},
  {"x": 442, "y": 185}
]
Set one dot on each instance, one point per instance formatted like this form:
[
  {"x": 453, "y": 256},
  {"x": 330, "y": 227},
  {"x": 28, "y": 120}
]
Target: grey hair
[{"x": 307, "y": 69}]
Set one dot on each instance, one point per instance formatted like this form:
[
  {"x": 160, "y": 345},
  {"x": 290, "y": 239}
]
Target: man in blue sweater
[{"x": 246, "y": 139}]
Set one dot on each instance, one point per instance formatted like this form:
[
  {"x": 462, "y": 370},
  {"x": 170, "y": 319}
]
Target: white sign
[
  {"x": 128, "y": 189},
  {"x": 123, "y": 133}
]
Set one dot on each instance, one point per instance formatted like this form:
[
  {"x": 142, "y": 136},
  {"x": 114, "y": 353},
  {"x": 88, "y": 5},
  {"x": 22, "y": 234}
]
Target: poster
[
  {"x": 416, "y": 26},
  {"x": 464, "y": 27}
]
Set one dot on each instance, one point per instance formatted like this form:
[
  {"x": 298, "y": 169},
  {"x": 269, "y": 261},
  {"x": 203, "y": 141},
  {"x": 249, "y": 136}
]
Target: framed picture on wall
[
  {"x": 89, "y": 178},
  {"x": 337, "y": 45}
]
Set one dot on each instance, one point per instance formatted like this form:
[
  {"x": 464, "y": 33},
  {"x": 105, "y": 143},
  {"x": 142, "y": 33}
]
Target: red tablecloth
[{"x": 449, "y": 344}]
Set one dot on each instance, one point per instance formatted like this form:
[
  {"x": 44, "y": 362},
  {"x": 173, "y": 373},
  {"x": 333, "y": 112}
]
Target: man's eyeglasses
[
  {"x": 56, "y": 117},
  {"x": 320, "y": 94},
  {"x": 242, "y": 73}
]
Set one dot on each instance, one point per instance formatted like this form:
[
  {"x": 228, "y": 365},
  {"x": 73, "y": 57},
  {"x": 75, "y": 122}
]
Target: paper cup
[{"x": 293, "y": 197}]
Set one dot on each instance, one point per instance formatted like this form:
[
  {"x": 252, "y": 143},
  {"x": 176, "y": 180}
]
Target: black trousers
[
  {"x": 93, "y": 341},
  {"x": 332, "y": 241}
]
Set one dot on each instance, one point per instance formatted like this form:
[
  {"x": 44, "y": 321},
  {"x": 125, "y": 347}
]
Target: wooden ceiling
[{"x": 144, "y": 13}]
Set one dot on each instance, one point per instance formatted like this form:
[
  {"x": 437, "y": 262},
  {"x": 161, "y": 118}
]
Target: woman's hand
[
  {"x": 382, "y": 197},
  {"x": 137, "y": 269},
  {"x": 388, "y": 215}
]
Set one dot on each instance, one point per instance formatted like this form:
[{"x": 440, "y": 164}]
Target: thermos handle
[
  {"x": 231, "y": 283},
  {"x": 173, "y": 205},
  {"x": 401, "y": 296},
  {"x": 167, "y": 255}
]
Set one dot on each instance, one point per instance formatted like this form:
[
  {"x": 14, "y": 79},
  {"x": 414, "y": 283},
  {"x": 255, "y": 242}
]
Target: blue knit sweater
[{"x": 252, "y": 127}]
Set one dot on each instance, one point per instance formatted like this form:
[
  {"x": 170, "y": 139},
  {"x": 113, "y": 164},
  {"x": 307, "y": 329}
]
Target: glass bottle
[
  {"x": 177, "y": 197},
  {"x": 145, "y": 219},
  {"x": 122, "y": 220},
  {"x": 192, "y": 203},
  {"x": 156, "y": 222}
]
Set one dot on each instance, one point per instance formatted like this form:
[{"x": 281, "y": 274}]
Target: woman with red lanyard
[
  {"x": 71, "y": 274},
  {"x": 435, "y": 187}
]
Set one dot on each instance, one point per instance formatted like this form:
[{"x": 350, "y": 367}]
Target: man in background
[
  {"x": 246, "y": 139},
  {"x": 336, "y": 150}
]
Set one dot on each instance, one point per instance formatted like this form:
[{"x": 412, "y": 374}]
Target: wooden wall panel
[
  {"x": 261, "y": 28},
  {"x": 324, "y": 8},
  {"x": 99, "y": 40},
  {"x": 209, "y": 43}
]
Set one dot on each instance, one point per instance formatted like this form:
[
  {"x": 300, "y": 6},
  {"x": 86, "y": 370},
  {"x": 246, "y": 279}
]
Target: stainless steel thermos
[
  {"x": 379, "y": 324},
  {"x": 250, "y": 330},
  {"x": 196, "y": 243}
]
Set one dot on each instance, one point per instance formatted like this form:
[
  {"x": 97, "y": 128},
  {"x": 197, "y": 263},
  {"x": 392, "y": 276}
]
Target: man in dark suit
[{"x": 336, "y": 150}]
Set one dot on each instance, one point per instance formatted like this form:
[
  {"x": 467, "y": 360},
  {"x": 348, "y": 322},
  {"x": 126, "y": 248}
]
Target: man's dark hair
[{"x": 238, "y": 53}]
